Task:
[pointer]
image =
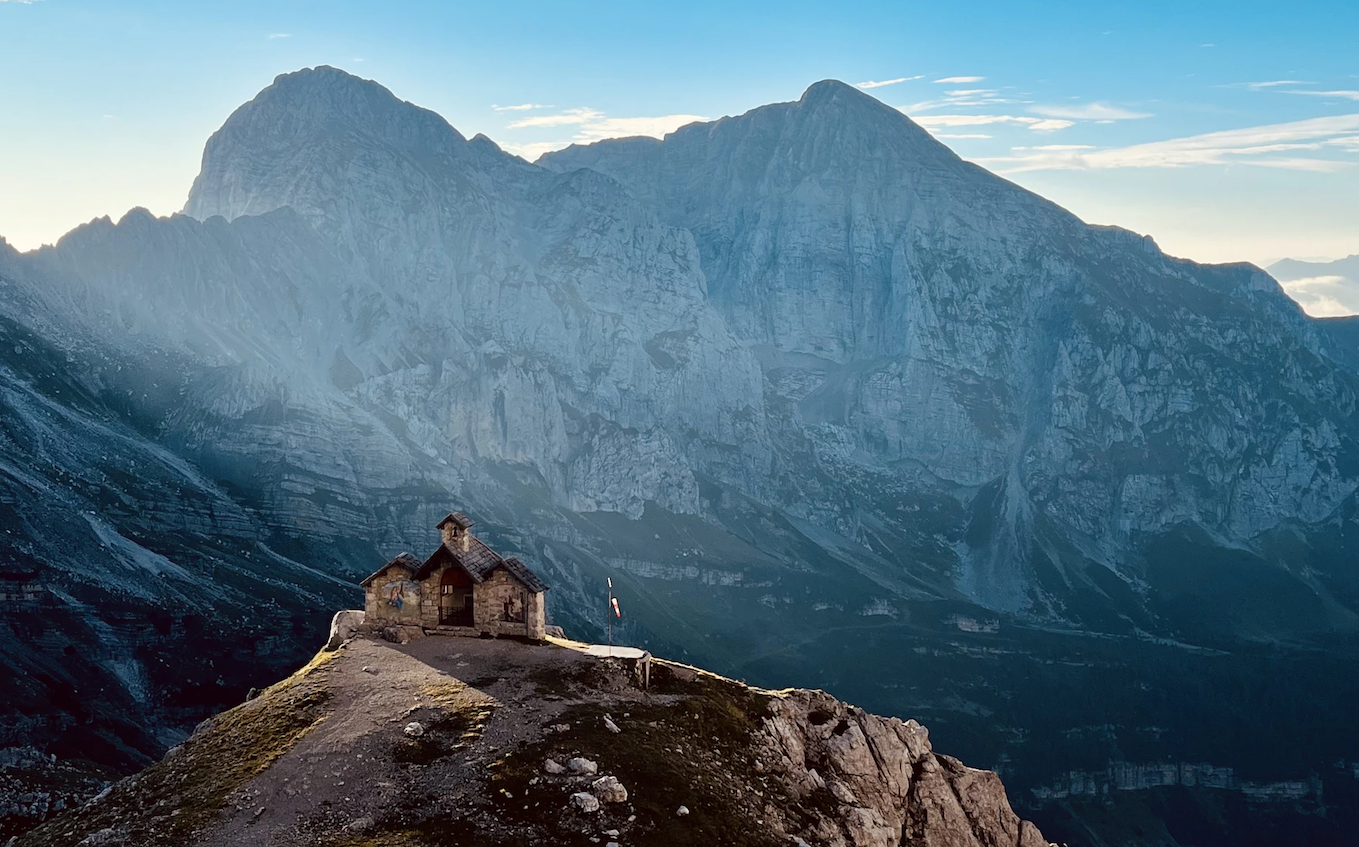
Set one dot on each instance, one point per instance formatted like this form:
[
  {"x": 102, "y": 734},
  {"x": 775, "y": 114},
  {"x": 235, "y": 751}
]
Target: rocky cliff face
[
  {"x": 448, "y": 741},
  {"x": 1077, "y": 389}
]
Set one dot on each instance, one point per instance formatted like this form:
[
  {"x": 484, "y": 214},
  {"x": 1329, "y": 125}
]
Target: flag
[{"x": 617, "y": 613}]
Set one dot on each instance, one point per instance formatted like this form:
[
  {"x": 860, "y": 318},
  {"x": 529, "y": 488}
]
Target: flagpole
[{"x": 608, "y": 613}]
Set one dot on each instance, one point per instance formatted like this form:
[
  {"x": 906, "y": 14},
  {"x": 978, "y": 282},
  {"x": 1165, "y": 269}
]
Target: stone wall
[
  {"x": 429, "y": 603},
  {"x": 536, "y": 618},
  {"x": 420, "y": 604}
]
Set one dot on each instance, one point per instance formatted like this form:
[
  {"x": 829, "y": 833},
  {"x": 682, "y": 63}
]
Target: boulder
[
  {"x": 585, "y": 801},
  {"x": 609, "y": 790},
  {"x": 553, "y": 767},
  {"x": 343, "y": 627},
  {"x": 581, "y": 765}
]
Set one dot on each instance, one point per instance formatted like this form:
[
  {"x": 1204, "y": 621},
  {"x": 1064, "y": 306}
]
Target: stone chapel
[{"x": 463, "y": 588}]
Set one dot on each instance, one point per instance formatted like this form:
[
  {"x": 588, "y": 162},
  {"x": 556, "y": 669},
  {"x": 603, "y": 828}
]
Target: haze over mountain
[
  {"x": 835, "y": 408},
  {"x": 1324, "y": 289}
]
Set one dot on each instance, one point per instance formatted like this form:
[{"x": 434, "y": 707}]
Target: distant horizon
[{"x": 1226, "y": 133}]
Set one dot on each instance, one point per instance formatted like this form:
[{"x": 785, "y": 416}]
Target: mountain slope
[
  {"x": 330, "y": 756},
  {"x": 139, "y": 596}
]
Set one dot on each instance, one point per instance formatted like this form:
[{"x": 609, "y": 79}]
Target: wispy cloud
[
  {"x": 961, "y": 135},
  {"x": 932, "y": 122},
  {"x": 959, "y": 80},
  {"x": 1272, "y": 83},
  {"x": 593, "y": 125},
  {"x": 1259, "y": 146},
  {"x": 1285, "y": 86},
  {"x": 522, "y": 107},
  {"x": 1089, "y": 112},
  {"x": 881, "y": 83},
  {"x": 1343, "y": 94},
  {"x": 273, "y": 35},
  {"x": 962, "y": 98},
  {"x": 570, "y": 117}
]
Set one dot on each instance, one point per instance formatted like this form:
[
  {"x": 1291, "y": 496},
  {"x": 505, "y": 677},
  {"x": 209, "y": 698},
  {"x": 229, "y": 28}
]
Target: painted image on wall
[
  {"x": 402, "y": 599},
  {"x": 513, "y": 608}
]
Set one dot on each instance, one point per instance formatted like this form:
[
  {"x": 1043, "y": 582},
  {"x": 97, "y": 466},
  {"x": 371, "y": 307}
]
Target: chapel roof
[
  {"x": 405, "y": 560},
  {"x": 479, "y": 560}
]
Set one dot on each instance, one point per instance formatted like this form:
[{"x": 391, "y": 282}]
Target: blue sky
[{"x": 1228, "y": 131}]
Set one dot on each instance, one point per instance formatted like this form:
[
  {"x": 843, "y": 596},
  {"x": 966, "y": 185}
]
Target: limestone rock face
[
  {"x": 883, "y": 780},
  {"x": 815, "y": 306},
  {"x": 916, "y": 316}
]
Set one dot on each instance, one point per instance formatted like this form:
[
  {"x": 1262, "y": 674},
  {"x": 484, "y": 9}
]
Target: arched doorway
[{"x": 455, "y": 598}]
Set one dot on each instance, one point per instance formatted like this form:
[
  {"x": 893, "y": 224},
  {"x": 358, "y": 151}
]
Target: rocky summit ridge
[{"x": 448, "y": 741}]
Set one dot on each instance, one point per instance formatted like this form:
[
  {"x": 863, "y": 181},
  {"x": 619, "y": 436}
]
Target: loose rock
[
  {"x": 553, "y": 767},
  {"x": 609, "y": 790},
  {"x": 682, "y": 811},
  {"x": 610, "y": 725},
  {"x": 361, "y": 825},
  {"x": 414, "y": 729},
  {"x": 582, "y": 765},
  {"x": 585, "y": 801}
]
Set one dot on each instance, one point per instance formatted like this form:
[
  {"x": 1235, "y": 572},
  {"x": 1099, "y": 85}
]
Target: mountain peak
[
  {"x": 828, "y": 88},
  {"x": 304, "y": 113}
]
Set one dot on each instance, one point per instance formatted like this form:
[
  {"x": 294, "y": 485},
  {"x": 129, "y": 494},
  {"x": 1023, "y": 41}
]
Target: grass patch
[
  {"x": 197, "y": 778},
  {"x": 442, "y": 833}
]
